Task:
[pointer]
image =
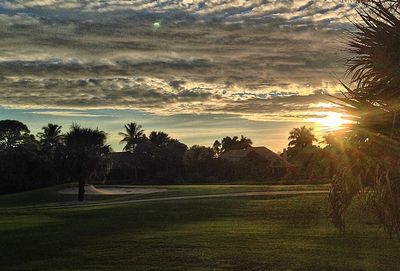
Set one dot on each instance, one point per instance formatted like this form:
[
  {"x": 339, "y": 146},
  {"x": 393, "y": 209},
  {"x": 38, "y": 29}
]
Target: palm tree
[
  {"x": 86, "y": 154},
  {"x": 299, "y": 140},
  {"x": 374, "y": 63},
  {"x": 330, "y": 140},
  {"x": 50, "y": 137},
  {"x": 233, "y": 143},
  {"x": 301, "y": 137},
  {"x": 373, "y": 67},
  {"x": 133, "y": 136},
  {"x": 159, "y": 138},
  {"x": 370, "y": 164},
  {"x": 228, "y": 143}
]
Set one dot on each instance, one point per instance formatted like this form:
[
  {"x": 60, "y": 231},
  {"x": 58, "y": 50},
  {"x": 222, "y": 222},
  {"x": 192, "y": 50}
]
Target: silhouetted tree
[
  {"x": 159, "y": 138},
  {"x": 234, "y": 143},
  {"x": 159, "y": 157},
  {"x": 245, "y": 142},
  {"x": 331, "y": 140},
  {"x": 50, "y": 138},
  {"x": 133, "y": 136},
  {"x": 173, "y": 153},
  {"x": 198, "y": 161},
  {"x": 228, "y": 143},
  {"x": 216, "y": 147},
  {"x": 21, "y": 165},
  {"x": 299, "y": 138},
  {"x": 13, "y": 133},
  {"x": 86, "y": 154}
]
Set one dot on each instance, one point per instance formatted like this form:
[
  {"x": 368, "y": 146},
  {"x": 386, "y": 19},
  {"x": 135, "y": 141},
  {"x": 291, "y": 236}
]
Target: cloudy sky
[{"x": 196, "y": 69}]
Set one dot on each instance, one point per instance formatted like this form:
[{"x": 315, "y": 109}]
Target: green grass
[
  {"x": 49, "y": 196},
  {"x": 254, "y": 233},
  {"x": 42, "y": 196}
]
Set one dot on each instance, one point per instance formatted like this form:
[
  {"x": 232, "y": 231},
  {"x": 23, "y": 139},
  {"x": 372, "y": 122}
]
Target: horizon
[
  {"x": 178, "y": 132},
  {"x": 198, "y": 71}
]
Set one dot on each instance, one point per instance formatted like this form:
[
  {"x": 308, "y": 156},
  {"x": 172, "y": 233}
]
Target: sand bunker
[{"x": 112, "y": 190}]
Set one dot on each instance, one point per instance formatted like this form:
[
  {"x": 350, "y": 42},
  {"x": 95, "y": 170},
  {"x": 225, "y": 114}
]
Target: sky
[{"x": 199, "y": 70}]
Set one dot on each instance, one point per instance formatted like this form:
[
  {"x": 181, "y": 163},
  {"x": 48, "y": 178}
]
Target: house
[{"x": 260, "y": 158}]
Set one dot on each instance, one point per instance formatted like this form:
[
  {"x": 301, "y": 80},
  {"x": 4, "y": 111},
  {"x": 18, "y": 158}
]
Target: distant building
[{"x": 259, "y": 157}]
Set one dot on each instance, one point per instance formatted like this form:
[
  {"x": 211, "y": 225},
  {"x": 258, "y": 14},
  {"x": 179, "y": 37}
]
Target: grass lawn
[
  {"x": 245, "y": 233},
  {"x": 49, "y": 196}
]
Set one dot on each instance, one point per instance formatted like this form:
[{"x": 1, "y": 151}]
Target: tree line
[
  {"x": 29, "y": 162},
  {"x": 82, "y": 155}
]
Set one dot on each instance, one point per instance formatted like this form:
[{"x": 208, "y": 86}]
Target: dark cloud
[
  {"x": 278, "y": 106},
  {"x": 242, "y": 57}
]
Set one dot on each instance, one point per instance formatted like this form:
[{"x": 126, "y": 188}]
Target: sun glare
[{"x": 331, "y": 121}]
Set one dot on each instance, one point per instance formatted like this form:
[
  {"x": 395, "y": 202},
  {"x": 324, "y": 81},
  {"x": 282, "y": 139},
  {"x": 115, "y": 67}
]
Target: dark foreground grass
[{"x": 255, "y": 233}]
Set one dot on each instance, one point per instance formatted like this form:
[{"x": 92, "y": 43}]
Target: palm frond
[{"x": 375, "y": 63}]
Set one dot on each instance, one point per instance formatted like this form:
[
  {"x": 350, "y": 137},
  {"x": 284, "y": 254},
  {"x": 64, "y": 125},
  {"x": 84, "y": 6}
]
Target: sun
[{"x": 331, "y": 120}]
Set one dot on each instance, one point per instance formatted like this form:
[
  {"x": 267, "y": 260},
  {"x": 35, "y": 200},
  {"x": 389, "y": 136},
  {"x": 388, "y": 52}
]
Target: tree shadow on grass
[
  {"x": 72, "y": 232},
  {"x": 202, "y": 234}
]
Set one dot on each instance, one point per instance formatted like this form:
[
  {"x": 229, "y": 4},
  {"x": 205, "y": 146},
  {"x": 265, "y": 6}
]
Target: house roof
[
  {"x": 267, "y": 154},
  {"x": 235, "y": 154}
]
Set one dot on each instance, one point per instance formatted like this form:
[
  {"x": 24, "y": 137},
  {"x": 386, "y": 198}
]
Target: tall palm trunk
[
  {"x": 136, "y": 174},
  {"x": 81, "y": 192}
]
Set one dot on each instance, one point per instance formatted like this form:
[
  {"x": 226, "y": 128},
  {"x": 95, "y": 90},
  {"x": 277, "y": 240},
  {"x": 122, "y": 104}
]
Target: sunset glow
[{"x": 331, "y": 121}]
